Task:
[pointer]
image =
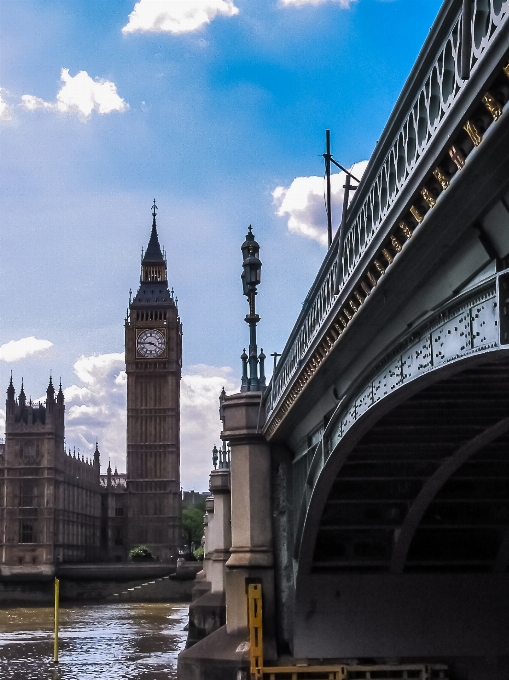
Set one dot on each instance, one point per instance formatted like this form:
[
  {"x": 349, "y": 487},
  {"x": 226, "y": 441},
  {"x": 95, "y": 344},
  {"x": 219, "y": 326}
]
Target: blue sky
[{"x": 223, "y": 121}]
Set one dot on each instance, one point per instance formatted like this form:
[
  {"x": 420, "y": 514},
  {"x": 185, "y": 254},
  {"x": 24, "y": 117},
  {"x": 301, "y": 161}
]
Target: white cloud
[
  {"x": 20, "y": 349},
  {"x": 2, "y": 422},
  {"x": 344, "y": 4},
  {"x": 176, "y": 16},
  {"x": 303, "y": 201},
  {"x": 200, "y": 425},
  {"x": 96, "y": 409},
  {"x": 80, "y": 94},
  {"x": 31, "y": 103},
  {"x": 5, "y": 111}
]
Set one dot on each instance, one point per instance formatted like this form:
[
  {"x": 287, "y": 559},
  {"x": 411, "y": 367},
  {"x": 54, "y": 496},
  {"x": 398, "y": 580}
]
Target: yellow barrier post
[
  {"x": 254, "y": 599},
  {"x": 55, "y": 642}
]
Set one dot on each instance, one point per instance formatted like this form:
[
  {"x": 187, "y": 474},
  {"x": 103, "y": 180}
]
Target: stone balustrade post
[
  {"x": 251, "y": 555},
  {"x": 208, "y": 526},
  {"x": 220, "y": 537}
]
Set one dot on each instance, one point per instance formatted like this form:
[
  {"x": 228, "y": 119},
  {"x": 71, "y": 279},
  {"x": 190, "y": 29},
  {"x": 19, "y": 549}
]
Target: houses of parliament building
[{"x": 56, "y": 507}]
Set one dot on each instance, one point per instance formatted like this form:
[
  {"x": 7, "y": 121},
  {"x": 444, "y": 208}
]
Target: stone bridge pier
[
  {"x": 238, "y": 551},
  {"x": 251, "y": 554}
]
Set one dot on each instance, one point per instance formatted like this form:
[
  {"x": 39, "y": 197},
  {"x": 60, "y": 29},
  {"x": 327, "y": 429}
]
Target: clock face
[{"x": 150, "y": 343}]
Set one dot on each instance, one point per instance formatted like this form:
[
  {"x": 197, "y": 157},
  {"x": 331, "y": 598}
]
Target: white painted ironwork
[{"x": 434, "y": 100}]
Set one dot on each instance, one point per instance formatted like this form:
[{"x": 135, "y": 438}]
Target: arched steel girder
[
  {"x": 317, "y": 492},
  {"x": 432, "y": 487},
  {"x": 465, "y": 332}
]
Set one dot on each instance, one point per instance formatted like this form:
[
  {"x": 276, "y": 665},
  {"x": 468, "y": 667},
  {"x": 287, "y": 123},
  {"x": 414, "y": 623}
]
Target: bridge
[{"x": 368, "y": 489}]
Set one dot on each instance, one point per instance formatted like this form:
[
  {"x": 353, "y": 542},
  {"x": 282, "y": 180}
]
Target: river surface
[{"x": 97, "y": 642}]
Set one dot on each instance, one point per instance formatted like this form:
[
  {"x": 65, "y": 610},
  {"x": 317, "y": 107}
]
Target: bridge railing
[{"x": 430, "y": 94}]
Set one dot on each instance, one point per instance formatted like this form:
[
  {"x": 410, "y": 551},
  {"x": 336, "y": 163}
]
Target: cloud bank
[
  {"x": 176, "y": 16},
  {"x": 200, "y": 425},
  {"x": 81, "y": 95},
  {"x": 96, "y": 409},
  {"x": 5, "y": 111},
  {"x": 304, "y": 204},
  {"x": 20, "y": 349}
]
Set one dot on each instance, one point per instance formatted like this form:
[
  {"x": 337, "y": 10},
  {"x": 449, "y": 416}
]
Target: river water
[{"x": 100, "y": 642}]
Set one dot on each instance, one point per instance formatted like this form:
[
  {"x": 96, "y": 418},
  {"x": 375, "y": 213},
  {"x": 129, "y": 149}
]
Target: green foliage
[
  {"x": 192, "y": 524},
  {"x": 199, "y": 553},
  {"x": 141, "y": 552},
  {"x": 200, "y": 505}
]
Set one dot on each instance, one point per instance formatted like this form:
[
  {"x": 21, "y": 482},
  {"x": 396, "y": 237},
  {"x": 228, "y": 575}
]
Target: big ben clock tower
[{"x": 153, "y": 356}]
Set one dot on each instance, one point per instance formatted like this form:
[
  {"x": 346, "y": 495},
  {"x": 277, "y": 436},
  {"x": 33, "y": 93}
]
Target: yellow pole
[{"x": 55, "y": 643}]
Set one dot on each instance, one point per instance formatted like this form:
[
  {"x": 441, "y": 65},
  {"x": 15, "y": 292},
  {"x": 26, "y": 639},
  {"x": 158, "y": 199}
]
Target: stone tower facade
[
  {"x": 50, "y": 500},
  {"x": 153, "y": 354}
]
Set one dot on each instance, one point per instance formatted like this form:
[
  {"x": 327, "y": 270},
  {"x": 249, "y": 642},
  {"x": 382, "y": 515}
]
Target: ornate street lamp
[{"x": 251, "y": 277}]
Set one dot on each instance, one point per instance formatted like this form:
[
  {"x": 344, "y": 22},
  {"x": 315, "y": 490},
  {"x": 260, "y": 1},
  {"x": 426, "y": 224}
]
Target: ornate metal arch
[{"x": 465, "y": 332}]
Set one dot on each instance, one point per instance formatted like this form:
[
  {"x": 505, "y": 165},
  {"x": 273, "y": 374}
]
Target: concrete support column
[
  {"x": 208, "y": 530},
  {"x": 221, "y": 529},
  {"x": 251, "y": 558}
]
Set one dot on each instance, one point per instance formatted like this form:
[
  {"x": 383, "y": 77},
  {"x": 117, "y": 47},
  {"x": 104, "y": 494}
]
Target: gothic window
[
  {"x": 26, "y": 532},
  {"x": 27, "y": 495},
  {"x": 28, "y": 454}
]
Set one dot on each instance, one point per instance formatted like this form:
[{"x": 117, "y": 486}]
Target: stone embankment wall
[
  {"x": 13, "y": 593},
  {"x": 109, "y": 585}
]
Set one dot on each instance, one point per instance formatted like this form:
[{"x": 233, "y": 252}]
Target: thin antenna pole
[
  {"x": 342, "y": 230},
  {"x": 275, "y": 355},
  {"x": 347, "y": 172},
  {"x": 327, "y": 156},
  {"x": 55, "y": 633}
]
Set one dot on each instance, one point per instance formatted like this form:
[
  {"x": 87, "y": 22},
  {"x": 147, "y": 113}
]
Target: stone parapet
[{"x": 220, "y": 481}]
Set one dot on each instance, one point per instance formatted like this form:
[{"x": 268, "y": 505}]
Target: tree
[{"x": 192, "y": 525}]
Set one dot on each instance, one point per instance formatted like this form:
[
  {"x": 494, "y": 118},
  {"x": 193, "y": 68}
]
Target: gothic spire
[
  {"x": 22, "y": 396},
  {"x": 153, "y": 252},
  {"x": 60, "y": 395},
  {"x": 50, "y": 392},
  {"x": 10, "y": 390}
]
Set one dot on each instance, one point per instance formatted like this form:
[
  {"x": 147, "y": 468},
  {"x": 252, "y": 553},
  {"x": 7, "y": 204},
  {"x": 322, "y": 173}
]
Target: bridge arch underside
[{"x": 409, "y": 554}]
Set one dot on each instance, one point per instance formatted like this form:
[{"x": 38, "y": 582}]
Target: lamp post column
[
  {"x": 251, "y": 278},
  {"x": 251, "y": 554},
  {"x": 252, "y": 319}
]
